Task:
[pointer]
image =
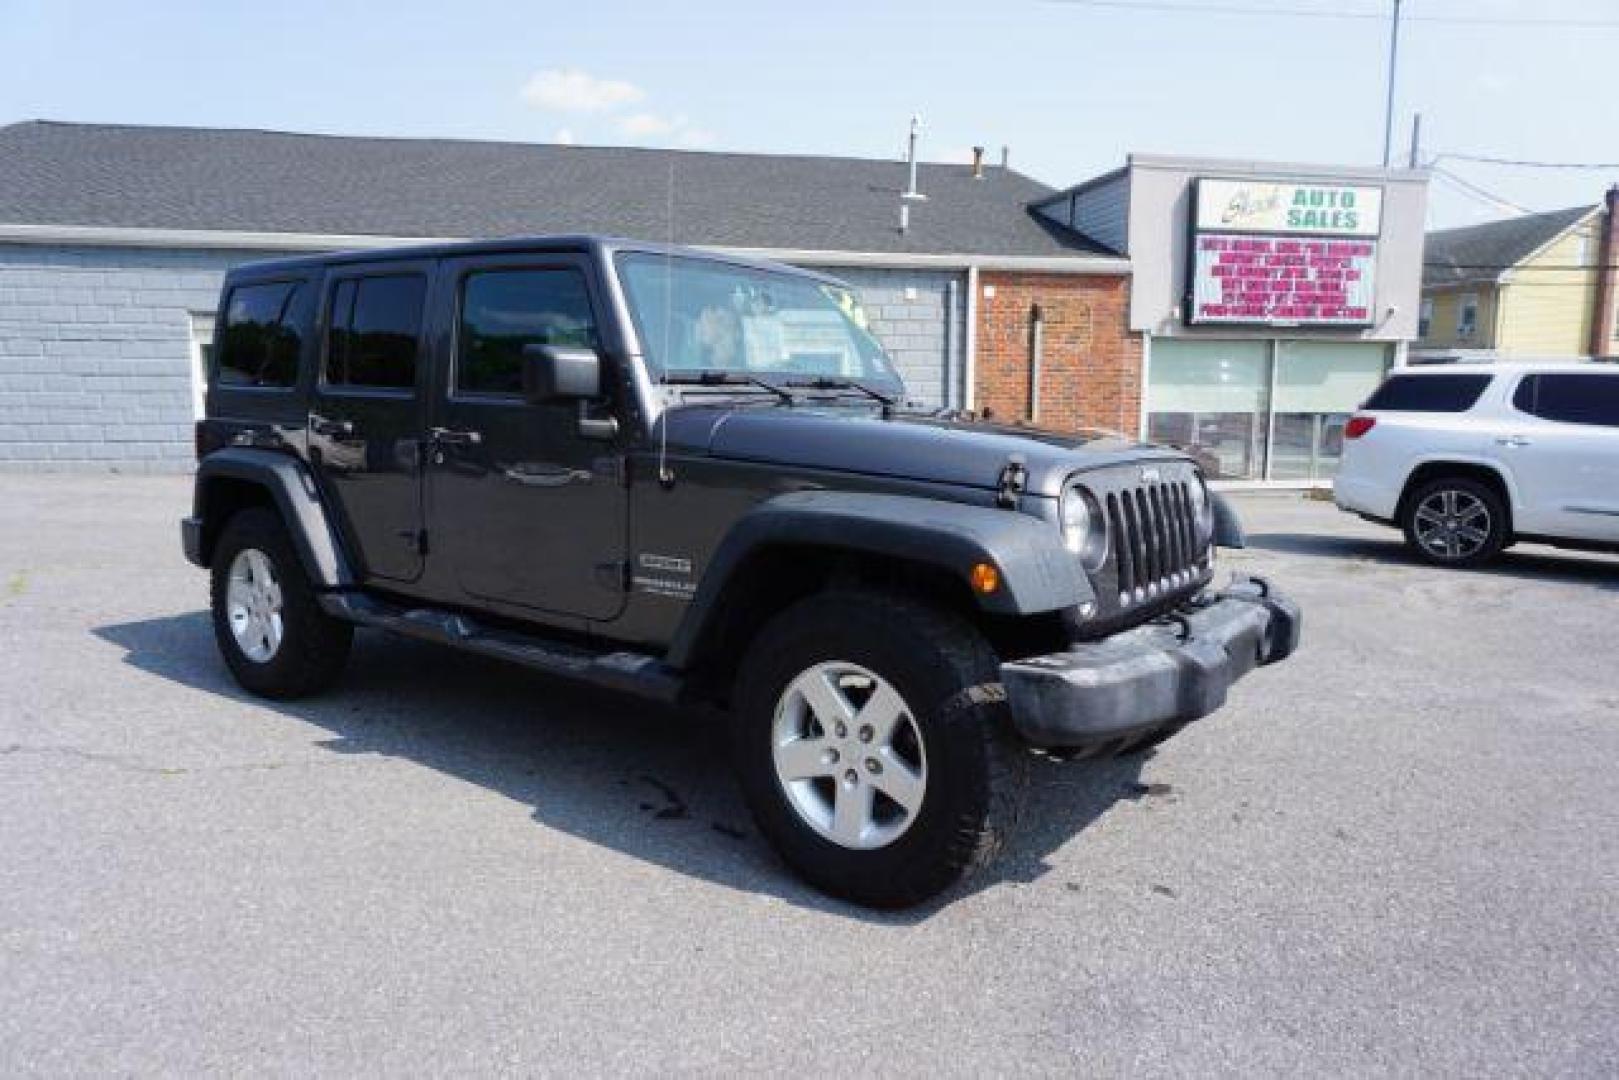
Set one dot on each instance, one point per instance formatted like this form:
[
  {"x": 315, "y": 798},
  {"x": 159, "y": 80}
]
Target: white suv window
[
  {"x": 1571, "y": 398},
  {"x": 1428, "y": 393}
]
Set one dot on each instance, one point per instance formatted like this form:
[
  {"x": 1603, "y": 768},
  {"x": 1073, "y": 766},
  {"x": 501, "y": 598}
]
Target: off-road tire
[
  {"x": 314, "y": 646},
  {"x": 949, "y": 677},
  {"x": 1498, "y": 535}
]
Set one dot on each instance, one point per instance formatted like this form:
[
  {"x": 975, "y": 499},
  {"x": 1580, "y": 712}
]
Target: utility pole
[
  {"x": 1388, "y": 106},
  {"x": 1416, "y": 142}
]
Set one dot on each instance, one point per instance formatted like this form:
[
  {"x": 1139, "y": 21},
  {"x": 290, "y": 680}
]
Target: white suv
[{"x": 1468, "y": 458}]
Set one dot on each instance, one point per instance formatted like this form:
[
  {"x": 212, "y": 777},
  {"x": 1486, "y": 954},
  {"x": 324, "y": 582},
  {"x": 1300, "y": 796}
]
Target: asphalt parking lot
[{"x": 1396, "y": 853}]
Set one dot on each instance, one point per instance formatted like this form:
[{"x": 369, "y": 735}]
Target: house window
[
  {"x": 1425, "y": 317},
  {"x": 202, "y": 357},
  {"x": 1467, "y": 316}
]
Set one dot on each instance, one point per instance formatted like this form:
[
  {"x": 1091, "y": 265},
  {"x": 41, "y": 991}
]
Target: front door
[
  {"x": 365, "y": 423},
  {"x": 523, "y": 508},
  {"x": 1564, "y": 453}
]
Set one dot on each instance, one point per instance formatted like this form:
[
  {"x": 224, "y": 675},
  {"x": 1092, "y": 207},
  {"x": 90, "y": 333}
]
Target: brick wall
[
  {"x": 95, "y": 354},
  {"x": 1091, "y": 370}
]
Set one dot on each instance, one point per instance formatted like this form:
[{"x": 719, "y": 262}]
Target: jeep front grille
[{"x": 1153, "y": 534}]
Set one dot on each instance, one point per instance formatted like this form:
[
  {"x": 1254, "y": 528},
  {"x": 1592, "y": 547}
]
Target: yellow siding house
[{"x": 1525, "y": 288}]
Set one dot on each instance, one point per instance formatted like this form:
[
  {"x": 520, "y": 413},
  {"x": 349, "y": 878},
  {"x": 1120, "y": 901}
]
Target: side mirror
[{"x": 560, "y": 373}]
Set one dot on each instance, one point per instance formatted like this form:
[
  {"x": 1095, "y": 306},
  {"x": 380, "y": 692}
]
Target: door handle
[
  {"x": 446, "y": 437},
  {"x": 548, "y": 476},
  {"x": 332, "y": 429},
  {"x": 1512, "y": 440}
]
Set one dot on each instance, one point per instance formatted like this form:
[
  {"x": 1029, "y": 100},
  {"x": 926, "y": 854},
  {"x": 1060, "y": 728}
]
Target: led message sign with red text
[{"x": 1282, "y": 279}]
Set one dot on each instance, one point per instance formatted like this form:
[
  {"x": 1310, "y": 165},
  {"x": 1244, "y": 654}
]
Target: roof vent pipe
[
  {"x": 978, "y": 163},
  {"x": 1006, "y": 155},
  {"x": 910, "y": 194}
]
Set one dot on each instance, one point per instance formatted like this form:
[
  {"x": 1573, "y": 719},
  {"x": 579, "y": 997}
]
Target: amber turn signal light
[{"x": 985, "y": 578}]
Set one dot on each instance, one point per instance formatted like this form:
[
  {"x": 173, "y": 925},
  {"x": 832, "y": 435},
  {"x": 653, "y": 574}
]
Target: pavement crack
[{"x": 124, "y": 763}]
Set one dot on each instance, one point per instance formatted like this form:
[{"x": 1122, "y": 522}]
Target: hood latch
[{"x": 1013, "y": 480}]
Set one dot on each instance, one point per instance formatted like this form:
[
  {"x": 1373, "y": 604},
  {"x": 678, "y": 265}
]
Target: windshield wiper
[
  {"x": 719, "y": 377},
  {"x": 828, "y": 382}
]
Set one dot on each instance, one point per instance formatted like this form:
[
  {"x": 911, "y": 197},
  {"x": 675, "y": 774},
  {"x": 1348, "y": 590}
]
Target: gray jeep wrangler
[{"x": 692, "y": 478}]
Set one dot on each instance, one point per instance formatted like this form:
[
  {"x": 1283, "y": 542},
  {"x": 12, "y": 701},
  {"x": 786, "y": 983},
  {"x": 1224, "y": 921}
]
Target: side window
[
  {"x": 375, "y": 324},
  {"x": 504, "y": 310},
  {"x": 263, "y": 335},
  {"x": 1425, "y": 317},
  {"x": 1428, "y": 393},
  {"x": 1570, "y": 399}
]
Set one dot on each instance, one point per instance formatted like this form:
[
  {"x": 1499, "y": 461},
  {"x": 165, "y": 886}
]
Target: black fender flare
[
  {"x": 1228, "y": 532},
  {"x": 1037, "y": 574},
  {"x": 291, "y": 487}
]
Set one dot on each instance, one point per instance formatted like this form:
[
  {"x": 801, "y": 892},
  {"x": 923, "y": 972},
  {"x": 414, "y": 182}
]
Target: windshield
[{"x": 700, "y": 315}]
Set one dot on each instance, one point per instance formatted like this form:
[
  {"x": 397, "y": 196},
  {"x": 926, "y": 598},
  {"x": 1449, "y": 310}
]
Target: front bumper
[{"x": 1169, "y": 672}]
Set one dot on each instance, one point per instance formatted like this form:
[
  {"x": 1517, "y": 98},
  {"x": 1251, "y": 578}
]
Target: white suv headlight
[{"x": 1084, "y": 531}]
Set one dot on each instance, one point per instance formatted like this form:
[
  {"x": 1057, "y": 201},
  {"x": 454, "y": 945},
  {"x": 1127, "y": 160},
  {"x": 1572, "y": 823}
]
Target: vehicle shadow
[
  {"x": 645, "y": 780},
  {"x": 1531, "y": 562}
]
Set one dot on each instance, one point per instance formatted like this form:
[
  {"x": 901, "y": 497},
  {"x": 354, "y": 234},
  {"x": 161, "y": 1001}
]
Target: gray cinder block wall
[
  {"x": 96, "y": 363},
  {"x": 96, "y": 354},
  {"x": 927, "y": 344}
]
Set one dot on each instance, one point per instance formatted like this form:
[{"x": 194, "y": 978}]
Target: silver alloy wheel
[
  {"x": 849, "y": 755},
  {"x": 253, "y": 605},
  {"x": 1452, "y": 524}
]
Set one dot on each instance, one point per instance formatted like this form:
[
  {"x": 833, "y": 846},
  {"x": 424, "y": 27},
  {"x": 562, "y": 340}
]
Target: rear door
[
  {"x": 366, "y": 416},
  {"x": 525, "y": 509},
  {"x": 1562, "y": 446}
]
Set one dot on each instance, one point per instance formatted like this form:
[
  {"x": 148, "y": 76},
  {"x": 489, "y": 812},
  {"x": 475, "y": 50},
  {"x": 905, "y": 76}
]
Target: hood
[{"x": 858, "y": 439}]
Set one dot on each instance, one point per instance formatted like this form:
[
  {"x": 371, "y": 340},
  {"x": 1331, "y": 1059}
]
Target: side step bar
[{"x": 634, "y": 673}]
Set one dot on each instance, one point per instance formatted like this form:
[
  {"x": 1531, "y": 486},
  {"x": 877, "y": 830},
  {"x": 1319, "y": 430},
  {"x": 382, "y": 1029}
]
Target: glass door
[{"x": 1212, "y": 399}]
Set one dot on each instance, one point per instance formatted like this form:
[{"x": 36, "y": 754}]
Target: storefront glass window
[
  {"x": 1210, "y": 398},
  {"x": 1318, "y": 384}
]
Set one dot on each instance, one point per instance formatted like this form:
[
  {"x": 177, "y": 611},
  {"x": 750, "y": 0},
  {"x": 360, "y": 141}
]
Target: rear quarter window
[
  {"x": 262, "y": 340},
  {"x": 1428, "y": 393},
  {"x": 1570, "y": 398}
]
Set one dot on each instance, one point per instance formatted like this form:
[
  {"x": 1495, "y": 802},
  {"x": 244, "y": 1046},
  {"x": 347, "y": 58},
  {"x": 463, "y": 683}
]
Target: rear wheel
[
  {"x": 1455, "y": 521},
  {"x": 274, "y": 637},
  {"x": 873, "y": 744}
]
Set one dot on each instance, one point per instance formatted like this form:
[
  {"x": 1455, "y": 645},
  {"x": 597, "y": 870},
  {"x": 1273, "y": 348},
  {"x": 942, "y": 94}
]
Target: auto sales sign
[{"x": 1283, "y": 254}]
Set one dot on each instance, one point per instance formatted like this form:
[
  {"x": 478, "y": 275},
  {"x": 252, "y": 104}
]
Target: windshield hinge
[{"x": 1013, "y": 480}]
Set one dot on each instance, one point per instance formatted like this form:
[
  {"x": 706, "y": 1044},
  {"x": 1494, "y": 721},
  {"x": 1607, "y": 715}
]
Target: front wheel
[
  {"x": 1455, "y": 521},
  {"x": 873, "y": 744}
]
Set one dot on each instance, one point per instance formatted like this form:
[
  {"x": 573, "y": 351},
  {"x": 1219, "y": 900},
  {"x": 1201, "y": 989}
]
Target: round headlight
[{"x": 1083, "y": 530}]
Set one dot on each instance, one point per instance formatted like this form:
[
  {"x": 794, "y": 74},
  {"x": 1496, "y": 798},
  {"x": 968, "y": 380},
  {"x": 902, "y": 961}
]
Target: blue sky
[{"x": 1070, "y": 87}]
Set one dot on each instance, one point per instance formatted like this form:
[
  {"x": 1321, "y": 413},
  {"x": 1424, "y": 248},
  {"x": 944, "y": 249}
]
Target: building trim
[
  {"x": 1277, "y": 169},
  {"x": 969, "y": 363},
  {"x": 118, "y": 236}
]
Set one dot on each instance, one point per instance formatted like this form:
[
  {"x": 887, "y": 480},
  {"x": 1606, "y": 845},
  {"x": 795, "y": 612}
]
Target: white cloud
[
  {"x": 572, "y": 90},
  {"x": 644, "y": 124},
  {"x": 677, "y": 129},
  {"x": 696, "y": 138},
  {"x": 564, "y": 136}
]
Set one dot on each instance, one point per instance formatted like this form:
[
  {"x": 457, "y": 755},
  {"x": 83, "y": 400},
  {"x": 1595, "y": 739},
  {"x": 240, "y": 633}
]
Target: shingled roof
[
  {"x": 263, "y": 181},
  {"x": 1479, "y": 254}
]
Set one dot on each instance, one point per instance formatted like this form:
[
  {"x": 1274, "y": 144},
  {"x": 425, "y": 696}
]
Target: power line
[
  {"x": 1310, "y": 13},
  {"x": 1467, "y": 187},
  {"x": 1484, "y": 159}
]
